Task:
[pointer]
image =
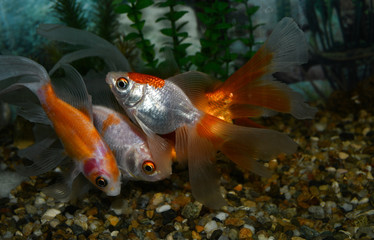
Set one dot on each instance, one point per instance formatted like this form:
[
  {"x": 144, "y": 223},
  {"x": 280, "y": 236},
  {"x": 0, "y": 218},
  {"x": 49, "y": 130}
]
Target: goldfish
[
  {"x": 130, "y": 147},
  {"x": 72, "y": 124},
  {"x": 199, "y": 112}
]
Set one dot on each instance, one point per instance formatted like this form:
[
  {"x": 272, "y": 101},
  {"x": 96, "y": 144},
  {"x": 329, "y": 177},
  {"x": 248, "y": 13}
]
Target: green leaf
[
  {"x": 180, "y": 26},
  {"x": 167, "y": 31},
  {"x": 138, "y": 25},
  {"x": 252, "y": 10},
  {"x": 161, "y": 19},
  {"x": 223, "y": 26},
  {"x": 182, "y": 34},
  {"x": 177, "y": 15},
  {"x": 143, "y": 4},
  {"x": 131, "y": 36},
  {"x": 123, "y": 8},
  {"x": 221, "y": 6}
]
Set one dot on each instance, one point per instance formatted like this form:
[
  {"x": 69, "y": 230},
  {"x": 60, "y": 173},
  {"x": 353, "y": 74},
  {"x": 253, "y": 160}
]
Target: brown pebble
[
  {"x": 195, "y": 235},
  {"x": 238, "y": 187},
  {"x": 245, "y": 234},
  {"x": 237, "y": 222},
  {"x": 92, "y": 211},
  {"x": 151, "y": 235},
  {"x": 150, "y": 213},
  {"x": 199, "y": 228}
]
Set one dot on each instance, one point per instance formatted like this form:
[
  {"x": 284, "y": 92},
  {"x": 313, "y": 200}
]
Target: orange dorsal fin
[{"x": 146, "y": 79}]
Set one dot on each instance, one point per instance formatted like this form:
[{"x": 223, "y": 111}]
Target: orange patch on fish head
[
  {"x": 146, "y": 79},
  {"x": 109, "y": 121}
]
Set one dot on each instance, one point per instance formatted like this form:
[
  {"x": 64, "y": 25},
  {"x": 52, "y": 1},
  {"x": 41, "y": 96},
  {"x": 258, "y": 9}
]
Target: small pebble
[
  {"x": 317, "y": 212},
  {"x": 163, "y": 208},
  {"x": 210, "y": 227},
  {"x": 222, "y": 216},
  {"x": 343, "y": 155},
  {"x": 347, "y": 207},
  {"x": 245, "y": 233},
  {"x": 50, "y": 214}
]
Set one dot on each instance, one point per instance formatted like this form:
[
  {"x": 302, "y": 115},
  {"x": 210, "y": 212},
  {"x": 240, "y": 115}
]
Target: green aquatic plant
[
  {"x": 106, "y": 20},
  {"x": 249, "y": 40},
  {"x": 71, "y": 13},
  {"x": 133, "y": 10},
  {"x": 178, "y": 46},
  {"x": 215, "y": 56}
]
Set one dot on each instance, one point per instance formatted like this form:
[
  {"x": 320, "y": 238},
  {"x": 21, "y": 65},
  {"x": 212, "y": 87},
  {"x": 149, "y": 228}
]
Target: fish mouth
[{"x": 114, "y": 191}]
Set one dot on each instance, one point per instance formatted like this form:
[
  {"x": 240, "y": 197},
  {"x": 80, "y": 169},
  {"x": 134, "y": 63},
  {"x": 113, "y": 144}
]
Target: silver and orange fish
[
  {"x": 72, "y": 124},
  {"x": 129, "y": 145},
  {"x": 199, "y": 114}
]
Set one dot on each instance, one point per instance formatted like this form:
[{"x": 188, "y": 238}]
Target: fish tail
[
  {"x": 18, "y": 71},
  {"x": 242, "y": 145},
  {"x": 252, "y": 91}
]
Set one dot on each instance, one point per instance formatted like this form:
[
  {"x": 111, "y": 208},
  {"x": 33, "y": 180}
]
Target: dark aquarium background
[{"x": 324, "y": 191}]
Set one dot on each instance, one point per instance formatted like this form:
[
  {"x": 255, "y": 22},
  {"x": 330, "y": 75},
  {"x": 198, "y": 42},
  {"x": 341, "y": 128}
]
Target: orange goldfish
[
  {"x": 73, "y": 126},
  {"x": 199, "y": 111}
]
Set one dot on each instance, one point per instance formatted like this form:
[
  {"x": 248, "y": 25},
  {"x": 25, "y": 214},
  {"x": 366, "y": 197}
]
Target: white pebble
[
  {"x": 363, "y": 200},
  {"x": 50, "y": 214},
  {"x": 210, "y": 227},
  {"x": 331, "y": 169},
  {"x": 39, "y": 201},
  {"x": 163, "y": 208},
  {"x": 114, "y": 233},
  {"x": 54, "y": 222},
  {"x": 222, "y": 216}
]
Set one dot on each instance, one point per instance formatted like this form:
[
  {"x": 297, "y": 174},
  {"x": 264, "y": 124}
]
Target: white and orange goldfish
[
  {"x": 73, "y": 126},
  {"x": 129, "y": 145},
  {"x": 199, "y": 112}
]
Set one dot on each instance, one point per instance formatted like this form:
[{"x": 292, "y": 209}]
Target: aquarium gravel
[{"x": 324, "y": 191}]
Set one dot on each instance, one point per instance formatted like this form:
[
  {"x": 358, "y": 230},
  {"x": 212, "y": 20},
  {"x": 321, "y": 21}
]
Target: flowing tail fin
[
  {"x": 252, "y": 88},
  {"x": 242, "y": 145},
  {"x": 16, "y": 72},
  {"x": 251, "y": 91}
]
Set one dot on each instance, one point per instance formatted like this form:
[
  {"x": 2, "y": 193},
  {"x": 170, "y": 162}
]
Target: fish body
[
  {"x": 200, "y": 110},
  {"x": 161, "y": 105},
  {"x": 129, "y": 144},
  {"x": 74, "y": 127}
]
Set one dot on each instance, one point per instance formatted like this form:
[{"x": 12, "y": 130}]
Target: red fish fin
[
  {"x": 195, "y": 85},
  {"x": 245, "y": 145},
  {"x": 203, "y": 176}
]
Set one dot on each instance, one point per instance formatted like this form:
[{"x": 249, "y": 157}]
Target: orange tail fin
[
  {"x": 242, "y": 145},
  {"x": 253, "y": 85}
]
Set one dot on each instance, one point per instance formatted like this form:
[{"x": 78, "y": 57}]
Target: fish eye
[
  {"x": 122, "y": 83},
  {"x": 149, "y": 167},
  {"x": 101, "y": 182}
]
